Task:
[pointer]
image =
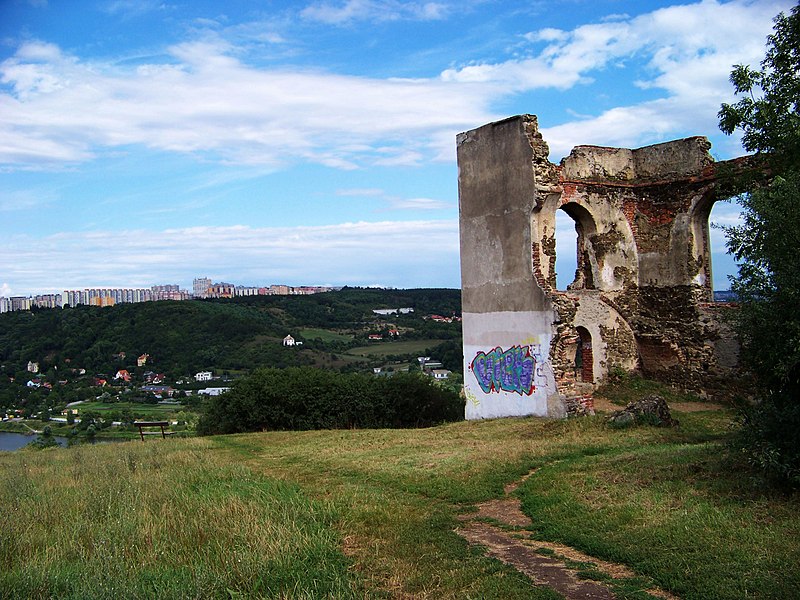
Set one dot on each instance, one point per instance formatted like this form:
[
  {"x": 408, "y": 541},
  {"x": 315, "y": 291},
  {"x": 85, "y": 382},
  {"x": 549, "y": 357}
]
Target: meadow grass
[
  {"x": 161, "y": 520},
  {"x": 675, "y": 513},
  {"x": 164, "y": 411},
  {"x": 326, "y": 335},
  {"x": 372, "y": 513},
  {"x": 387, "y": 348}
]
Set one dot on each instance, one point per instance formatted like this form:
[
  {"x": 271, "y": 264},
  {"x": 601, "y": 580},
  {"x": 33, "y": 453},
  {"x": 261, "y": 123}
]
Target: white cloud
[
  {"x": 548, "y": 34},
  {"x": 359, "y": 253},
  {"x": 369, "y": 192},
  {"x": 207, "y": 101},
  {"x": 395, "y": 202},
  {"x": 335, "y": 13},
  {"x": 211, "y": 104},
  {"x": 25, "y": 200},
  {"x": 132, "y": 8},
  {"x": 419, "y": 204},
  {"x": 688, "y": 52}
]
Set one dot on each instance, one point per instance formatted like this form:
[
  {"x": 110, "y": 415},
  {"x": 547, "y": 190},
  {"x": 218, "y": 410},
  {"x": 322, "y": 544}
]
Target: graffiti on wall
[{"x": 509, "y": 370}]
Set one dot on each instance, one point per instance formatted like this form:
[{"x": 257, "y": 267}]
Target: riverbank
[{"x": 32, "y": 427}]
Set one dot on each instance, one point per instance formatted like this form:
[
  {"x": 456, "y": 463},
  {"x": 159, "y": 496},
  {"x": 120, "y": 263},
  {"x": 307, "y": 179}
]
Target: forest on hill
[{"x": 74, "y": 348}]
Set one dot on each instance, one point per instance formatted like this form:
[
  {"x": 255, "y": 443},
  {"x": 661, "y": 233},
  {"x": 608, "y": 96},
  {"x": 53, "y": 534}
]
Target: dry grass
[{"x": 372, "y": 513}]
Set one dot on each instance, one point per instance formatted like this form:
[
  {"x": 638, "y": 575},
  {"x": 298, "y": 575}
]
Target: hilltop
[{"x": 375, "y": 514}]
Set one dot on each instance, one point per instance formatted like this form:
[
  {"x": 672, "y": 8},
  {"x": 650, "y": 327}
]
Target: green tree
[
  {"x": 46, "y": 440},
  {"x": 767, "y": 245},
  {"x": 307, "y": 398}
]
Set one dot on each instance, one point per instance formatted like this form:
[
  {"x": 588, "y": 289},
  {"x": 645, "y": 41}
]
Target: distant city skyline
[
  {"x": 111, "y": 295},
  {"x": 315, "y": 141}
]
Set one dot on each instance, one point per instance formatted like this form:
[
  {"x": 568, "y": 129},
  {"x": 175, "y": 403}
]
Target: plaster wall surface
[{"x": 642, "y": 286}]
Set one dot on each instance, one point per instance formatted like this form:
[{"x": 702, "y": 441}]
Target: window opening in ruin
[
  {"x": 577, "y": 356},
  {"x": 566, "y": 246},
  {"x": 722, "y": 264},
  {"x": 584, "y": 357},
  {"x": 573, "y": 263}
]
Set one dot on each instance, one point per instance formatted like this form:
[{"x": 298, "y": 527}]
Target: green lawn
[
  {"x": 326, "y": 335},
  {"x": 139, "y": 410},
  {"x": 386, "y": 348},
  {"x": 359, "y": 513}
]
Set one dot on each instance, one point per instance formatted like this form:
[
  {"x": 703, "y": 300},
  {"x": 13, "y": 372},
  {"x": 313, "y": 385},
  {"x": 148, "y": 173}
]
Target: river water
[{"x": 14, "y": 441}]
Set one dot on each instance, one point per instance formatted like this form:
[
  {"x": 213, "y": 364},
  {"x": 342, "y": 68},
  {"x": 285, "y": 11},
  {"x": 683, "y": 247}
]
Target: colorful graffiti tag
[{"x": 509, "y": 370}]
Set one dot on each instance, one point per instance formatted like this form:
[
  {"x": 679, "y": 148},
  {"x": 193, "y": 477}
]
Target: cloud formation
[
  {"x": 206, "y": 100},
  {"x": 237, "y": 97},
  {"x": 357, "y": 253},
  {"x": 686, "y": 59},
  {"x": 340, "y": 13}
]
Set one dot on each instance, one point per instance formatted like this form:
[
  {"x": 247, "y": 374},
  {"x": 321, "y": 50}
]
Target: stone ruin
[{"x": 642, "y": 296}]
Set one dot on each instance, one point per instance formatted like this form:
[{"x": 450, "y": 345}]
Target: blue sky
[{"x": 154, "y": 141}]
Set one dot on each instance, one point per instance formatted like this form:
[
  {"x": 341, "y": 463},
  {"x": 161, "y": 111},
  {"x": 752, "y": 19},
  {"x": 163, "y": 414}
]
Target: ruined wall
[{"x": 642, "y": 294}]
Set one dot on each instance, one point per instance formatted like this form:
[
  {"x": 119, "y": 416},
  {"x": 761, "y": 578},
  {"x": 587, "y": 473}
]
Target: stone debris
[{"x": 652, "y": 409}]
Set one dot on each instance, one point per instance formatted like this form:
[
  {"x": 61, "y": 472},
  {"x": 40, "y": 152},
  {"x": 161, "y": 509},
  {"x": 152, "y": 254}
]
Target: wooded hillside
[{"x": 239, "y": 334}]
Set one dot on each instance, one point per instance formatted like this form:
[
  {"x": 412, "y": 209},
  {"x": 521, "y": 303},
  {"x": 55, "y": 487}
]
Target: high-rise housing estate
[
  {"x": 21, "y": 303},
  {"x": 221, "y": 290},
  {"x": 112, "y": 296},
  {"x": 200, "y": 287}
]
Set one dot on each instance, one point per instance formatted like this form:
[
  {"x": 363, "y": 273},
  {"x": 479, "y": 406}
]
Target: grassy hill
[
  {"x": 75, "y": 347},
  {"x": 354, "y": 514},
  {"x": 241, "y": 333}
]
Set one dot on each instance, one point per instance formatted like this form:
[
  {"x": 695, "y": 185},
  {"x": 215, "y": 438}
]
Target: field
[
  {"x": 326, "y": 335},
  {"x": 381, "y": 349},
  {"x": 372, "y": 513},
  {"x": 138, "y": 410}
]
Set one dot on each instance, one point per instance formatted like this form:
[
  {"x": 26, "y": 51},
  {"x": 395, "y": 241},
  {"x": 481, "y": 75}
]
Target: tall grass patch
[
  {"x": 166, "y": 520},
  {"x": 676, "y": 513}
]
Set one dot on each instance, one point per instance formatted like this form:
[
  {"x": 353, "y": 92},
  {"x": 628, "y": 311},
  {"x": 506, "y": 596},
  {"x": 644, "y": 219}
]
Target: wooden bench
[{"x": 142, "y": 424}]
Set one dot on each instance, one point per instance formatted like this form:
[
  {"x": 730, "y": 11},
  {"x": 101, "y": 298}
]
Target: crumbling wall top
[{"x": 669, "y": 161}]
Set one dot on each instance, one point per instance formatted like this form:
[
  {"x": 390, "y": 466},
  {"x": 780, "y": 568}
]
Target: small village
[{"x": 123, "y": 387}]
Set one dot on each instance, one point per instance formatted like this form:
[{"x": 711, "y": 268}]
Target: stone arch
[
  {"x": 574, "y": 360},
  {"x": 586, "y": 262},
  {"x": 584, "y": 356},
  {"x": 543, "y": 251},
  {"x": 700, "y": 248}
]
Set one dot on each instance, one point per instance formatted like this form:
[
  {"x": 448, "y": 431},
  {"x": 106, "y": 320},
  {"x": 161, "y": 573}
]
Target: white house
[
  {"x": 441, "y": 374},
  {"x": 392, "y": 311},
  {"x": 203, "y": 376},
  {"x": 215, "y": 391},
  {"x": 290, "y": 341}
]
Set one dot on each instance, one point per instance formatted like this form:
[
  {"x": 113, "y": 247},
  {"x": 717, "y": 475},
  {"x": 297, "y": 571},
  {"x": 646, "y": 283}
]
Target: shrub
[
  {"x": 769, "y": 438},
  {"x": 300, "y": 398}
]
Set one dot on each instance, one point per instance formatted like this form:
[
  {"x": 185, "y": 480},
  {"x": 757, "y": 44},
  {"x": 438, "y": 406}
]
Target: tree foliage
[
  {"x": 767, "y": 245},
  {"x": 185, "y": 337},
  {"x": 767, "y": 114},
  {"x": 305, "y": 398}
]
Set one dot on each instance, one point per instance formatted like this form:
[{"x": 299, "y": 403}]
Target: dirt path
[{"x": 528, "y": 555}]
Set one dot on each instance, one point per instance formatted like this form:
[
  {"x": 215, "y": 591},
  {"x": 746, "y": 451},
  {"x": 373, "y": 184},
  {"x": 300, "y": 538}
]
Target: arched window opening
[
  {"x": 573, "y": 263},
  {"x": 584, "y": 357},
  {"x": 576, "y": 358},
  {"x": 721, "y": 264},
  {"x": 566, "y": 250}
]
